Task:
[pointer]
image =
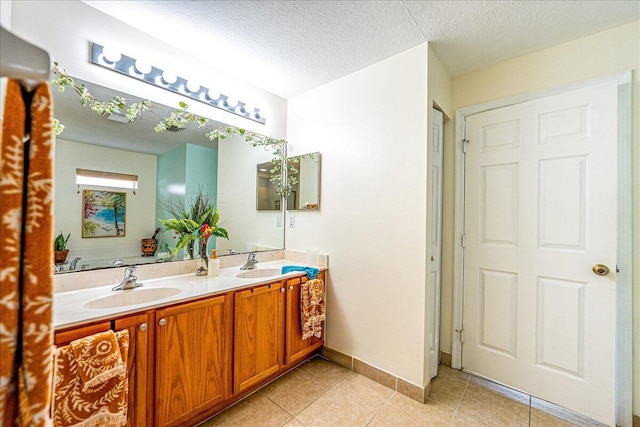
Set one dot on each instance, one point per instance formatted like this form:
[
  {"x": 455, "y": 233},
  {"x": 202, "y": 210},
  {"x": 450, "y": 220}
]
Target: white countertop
[{"x": 70, "y": 308}]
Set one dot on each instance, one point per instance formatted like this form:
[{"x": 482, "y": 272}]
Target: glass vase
[{"x": 202, "y": 261}]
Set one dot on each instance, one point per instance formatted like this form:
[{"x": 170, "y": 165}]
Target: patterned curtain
[{"x": 26, "y": 256}]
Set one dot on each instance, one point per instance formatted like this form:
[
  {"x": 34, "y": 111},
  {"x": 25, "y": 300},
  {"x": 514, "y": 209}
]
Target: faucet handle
[{"x": 130, "y": 271}]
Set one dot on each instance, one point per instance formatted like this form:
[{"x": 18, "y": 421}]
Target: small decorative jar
[{"x": 163, "y": 253}]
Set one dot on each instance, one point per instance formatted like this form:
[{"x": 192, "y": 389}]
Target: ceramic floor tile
[
  {"x": 491, "y": 408},
  {"x": 352, "y": 401},
  {"x": 507, "y": 392},
  {"x": 321, "y": 393},
  {"x": 322, "y": 368},
  {"x": 294, "y": 423},
  {"x": 460, "y": 420},
  {"x": 296, "y": 390},
  {"x": 564, "y": 414},
  {"x": 447, "y": 390},
  {"x": 403, "y": 411},
  {"x": 256, "y": 410},
  {"x": 446, "y": 372},
  {"x": 542, "y": 419}
]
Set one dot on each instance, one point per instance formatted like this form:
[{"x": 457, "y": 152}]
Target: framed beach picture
[{"x": 103, "y": 213}]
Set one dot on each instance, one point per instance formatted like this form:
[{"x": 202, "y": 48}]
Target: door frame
[{"x": 624, "y": 278}]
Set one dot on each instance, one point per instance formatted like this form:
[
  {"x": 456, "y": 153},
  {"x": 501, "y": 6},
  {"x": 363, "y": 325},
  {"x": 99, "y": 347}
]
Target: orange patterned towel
[
  {"x": 97, "y": 402},
  {"x": 312, "y": 308},
  {"x": 98, "y": 358},
  {"x": 26, "y": 233}
]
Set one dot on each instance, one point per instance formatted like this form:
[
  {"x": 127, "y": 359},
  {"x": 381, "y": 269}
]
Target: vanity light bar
[{"x": 134, "y": 68}]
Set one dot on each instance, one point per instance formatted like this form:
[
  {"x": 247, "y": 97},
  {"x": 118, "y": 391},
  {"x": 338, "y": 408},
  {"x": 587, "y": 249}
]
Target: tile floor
[{"x": 321, "y": 393}]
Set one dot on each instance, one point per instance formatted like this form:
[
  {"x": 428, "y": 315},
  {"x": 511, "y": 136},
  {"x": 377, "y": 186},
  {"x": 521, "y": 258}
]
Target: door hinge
[
  {"x": 460, "y": 335},
  {"x": 463, "y": 240},
  {"x": 464, "y": 145}
]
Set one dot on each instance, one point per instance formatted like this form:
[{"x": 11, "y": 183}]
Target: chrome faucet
[
  {"x": 129, "y": 281},
  {"x": 251, "y": 262},
  {"x": 117, "y": 262},
  {"x": 74, "y": 261}
]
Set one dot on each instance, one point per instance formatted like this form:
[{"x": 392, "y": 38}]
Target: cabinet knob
[
  {"x": 162, "y": 322},
  {"x": 143, "y": 327},
  {"x": 291, "y": 287},
  {"x": 282, "y": 290}
]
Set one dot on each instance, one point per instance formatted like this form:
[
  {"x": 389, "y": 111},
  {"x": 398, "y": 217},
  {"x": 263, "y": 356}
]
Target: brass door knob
[{"x": 600, "y": 269}]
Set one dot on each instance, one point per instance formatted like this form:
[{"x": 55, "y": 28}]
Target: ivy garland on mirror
[{"x": 178, "y": 119}]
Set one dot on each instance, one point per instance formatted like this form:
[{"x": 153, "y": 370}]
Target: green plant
[
  {"x": 60, "y": 243},
  {"x": 196, "y": 219}
]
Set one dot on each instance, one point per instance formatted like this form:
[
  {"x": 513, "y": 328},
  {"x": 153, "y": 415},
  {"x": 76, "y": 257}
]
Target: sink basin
[
  {"x": 132, "y": 297},
  {"x": 260, "y": 273}
]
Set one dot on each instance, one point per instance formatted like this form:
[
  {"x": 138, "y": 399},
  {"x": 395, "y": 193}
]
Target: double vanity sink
[{"x": 76, "y": 307}]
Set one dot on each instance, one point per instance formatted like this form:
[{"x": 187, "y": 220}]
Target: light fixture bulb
[
  {"x": 142, "y": 66},
  {"x": 169, "y": 78},
  {"x": 231, "y": 102},
  {"x": 111, "y": 55},
  {"x": 212, "y": 95},
  {"x": 192, "y": 86},
  {"x": 248, "y": 109}
]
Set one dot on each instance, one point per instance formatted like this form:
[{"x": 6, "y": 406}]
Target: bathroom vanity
[{"x": 195, "y": 352}]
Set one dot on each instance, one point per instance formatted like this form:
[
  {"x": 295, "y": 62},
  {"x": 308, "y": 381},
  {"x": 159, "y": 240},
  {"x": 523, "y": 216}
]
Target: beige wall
[
  {"x": 601, "y": 54},
  {"x": 371, "y": 130}
]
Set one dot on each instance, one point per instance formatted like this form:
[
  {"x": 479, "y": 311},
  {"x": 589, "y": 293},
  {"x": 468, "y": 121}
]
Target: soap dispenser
[{"x": 214, "y": 264}]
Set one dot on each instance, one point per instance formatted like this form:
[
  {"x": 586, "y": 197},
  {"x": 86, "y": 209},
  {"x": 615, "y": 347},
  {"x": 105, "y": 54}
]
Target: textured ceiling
[{"x": 289, "y": 47}]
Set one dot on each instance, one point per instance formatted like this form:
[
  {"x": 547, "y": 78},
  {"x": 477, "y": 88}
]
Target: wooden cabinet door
[
  {"x": 139, "y": 361},
  {"x": 258, "y": 335},
  {"x": 297, "y": 348},
  {"x": 193, "y": 358},
  {"x": 139, "y": 368},
  {"x": 65, "y": 336}
]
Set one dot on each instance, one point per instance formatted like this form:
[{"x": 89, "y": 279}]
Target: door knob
[
  {"x": 162, "y": 322},
  {"x": 143, "y": 327},
  {"x": 600, "y": 269}
]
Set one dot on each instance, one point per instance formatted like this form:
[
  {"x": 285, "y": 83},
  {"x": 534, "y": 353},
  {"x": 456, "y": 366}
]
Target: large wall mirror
[
  {"x": 169, "y": 166},
  {"x": 305, "y": 188}
]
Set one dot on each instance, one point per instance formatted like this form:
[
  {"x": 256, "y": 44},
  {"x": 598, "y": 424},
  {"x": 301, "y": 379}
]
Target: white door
[
  {"x": 540, "y": 212},
  {"x": 436, "y": 239}
]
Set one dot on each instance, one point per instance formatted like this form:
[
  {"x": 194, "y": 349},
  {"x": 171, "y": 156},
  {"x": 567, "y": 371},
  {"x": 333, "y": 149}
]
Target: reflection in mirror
[
  {"x": 304, "y": 177},
  {"x": 305, "y": 194},
  {"x": 168, "y": 165},
  {"x": 267, "y": 196}
]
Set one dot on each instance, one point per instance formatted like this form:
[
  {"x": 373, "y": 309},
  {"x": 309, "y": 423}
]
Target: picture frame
[{"x": 103, "y": 213}]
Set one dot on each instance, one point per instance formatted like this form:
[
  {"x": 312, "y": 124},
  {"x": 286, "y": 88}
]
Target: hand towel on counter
[
  {"x": 312, "y": 273},
  {"x": 103, "y": 399},
  {"x": 312, "y": 308}
]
